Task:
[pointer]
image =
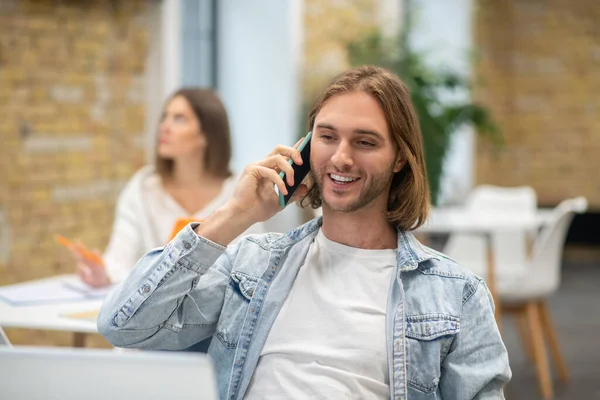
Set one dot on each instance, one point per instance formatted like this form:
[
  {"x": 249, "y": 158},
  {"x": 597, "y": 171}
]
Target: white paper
[
  {"x": 78, "y": 285},
  {"x": 40, "y": 292}
]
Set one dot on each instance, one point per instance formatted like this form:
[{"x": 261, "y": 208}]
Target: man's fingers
[
  {"x": 270, "y": 174},
  {"x": 278, "y": 162},
  {"x": 289, "y": 152}
]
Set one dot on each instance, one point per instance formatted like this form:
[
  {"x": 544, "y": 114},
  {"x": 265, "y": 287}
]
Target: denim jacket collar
[{"x": 410, "y": 251}]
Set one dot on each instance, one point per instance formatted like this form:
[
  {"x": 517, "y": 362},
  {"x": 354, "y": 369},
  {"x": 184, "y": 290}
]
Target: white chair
[
  {"x": 470, "y": 249},
  {"x": 525, "y": 294},
  {"x": 489, "y": 198},
  {"x": 524, "y": 280},
  {"x": 539, "y": 275}
]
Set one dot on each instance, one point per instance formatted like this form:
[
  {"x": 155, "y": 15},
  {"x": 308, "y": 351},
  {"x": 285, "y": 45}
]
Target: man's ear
[{"x": 398, "y": 165}]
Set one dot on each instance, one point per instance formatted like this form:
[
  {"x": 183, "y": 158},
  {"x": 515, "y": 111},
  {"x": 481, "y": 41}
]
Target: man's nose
[{"x": 342, "y": 158}]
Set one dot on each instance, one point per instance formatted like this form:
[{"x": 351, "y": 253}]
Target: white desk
[
  {"x": 461, "y": 220},
  {"x": 450, "y": 220},
  {"x": 52, "y": 316}
]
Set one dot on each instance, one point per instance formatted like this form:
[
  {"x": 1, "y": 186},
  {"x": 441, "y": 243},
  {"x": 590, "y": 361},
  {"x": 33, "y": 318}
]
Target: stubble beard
[{"x": 372, "y": 189}]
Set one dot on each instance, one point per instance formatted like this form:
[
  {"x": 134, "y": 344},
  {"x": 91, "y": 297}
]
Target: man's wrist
[
  {"x": 238, "y": 214},
  {"x": 226, "y": 223}
]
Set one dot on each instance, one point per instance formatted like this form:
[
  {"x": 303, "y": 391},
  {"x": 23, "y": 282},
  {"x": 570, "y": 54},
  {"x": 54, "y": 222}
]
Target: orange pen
[{"x": 85, "y": 253}]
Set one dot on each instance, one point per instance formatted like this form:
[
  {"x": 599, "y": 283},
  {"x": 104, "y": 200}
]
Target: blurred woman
[{"x": 189, "y": 180}]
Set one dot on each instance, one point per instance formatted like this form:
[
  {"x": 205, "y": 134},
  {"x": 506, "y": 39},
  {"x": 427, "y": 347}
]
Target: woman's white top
[{"x": 144, "y": 219}]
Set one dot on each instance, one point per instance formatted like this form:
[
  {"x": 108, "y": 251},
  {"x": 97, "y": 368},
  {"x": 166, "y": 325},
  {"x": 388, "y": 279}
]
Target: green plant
[{"x": 428, "y": 86}]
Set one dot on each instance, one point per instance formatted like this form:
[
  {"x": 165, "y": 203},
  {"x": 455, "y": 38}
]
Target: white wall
[
  {"x": 259, "y": 57},
  {"x": 170, "y": 46},
  {"x": 442, "y": 29},
  {"x": 390, "y": 17},
  {"x": 162, "y": 65}
]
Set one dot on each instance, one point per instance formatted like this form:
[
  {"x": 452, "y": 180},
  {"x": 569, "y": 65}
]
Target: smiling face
[
  {"x": 367, "y": 149},
  {"x": 353, "y": 157}
]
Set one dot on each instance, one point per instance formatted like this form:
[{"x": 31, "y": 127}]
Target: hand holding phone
[{"x": 300, "y": 171}]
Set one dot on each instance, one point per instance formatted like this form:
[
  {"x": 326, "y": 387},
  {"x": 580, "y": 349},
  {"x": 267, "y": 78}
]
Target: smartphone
[{"x": 300, "y": 171}]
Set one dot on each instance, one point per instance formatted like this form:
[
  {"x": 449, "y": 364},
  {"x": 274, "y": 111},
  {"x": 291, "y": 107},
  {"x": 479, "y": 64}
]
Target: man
[{"x": 347, "y": 306}]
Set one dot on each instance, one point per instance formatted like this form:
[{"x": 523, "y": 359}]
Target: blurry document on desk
[
  {"x": 69, "y": 288},
  {"x": 90, "y": 315}
]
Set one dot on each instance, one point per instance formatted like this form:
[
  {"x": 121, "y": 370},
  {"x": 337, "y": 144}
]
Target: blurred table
[
  {"x": 461, "y": 220},
  {"x": 449, "y": 220},
  {"x": 77, "y": 316}
]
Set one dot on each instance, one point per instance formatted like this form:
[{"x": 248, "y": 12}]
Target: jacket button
[
  {"x": 187, "y": 245},
  {"x": 146, "y": 288}
]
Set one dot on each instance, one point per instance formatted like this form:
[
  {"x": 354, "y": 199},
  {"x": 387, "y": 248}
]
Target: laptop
[{"x": 73, "y": 374}]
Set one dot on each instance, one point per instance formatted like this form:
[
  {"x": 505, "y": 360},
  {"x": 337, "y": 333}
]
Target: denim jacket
[{"x": 442, "y": 339}]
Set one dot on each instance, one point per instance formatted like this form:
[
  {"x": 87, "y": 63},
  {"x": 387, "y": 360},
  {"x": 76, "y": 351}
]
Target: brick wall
[
  {"x": 71, "y": 128},
  {"x": 540, "y": 69}
]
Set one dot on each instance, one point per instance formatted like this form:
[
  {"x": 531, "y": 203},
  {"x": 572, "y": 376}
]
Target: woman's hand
[{"x": 90, "y": 272}]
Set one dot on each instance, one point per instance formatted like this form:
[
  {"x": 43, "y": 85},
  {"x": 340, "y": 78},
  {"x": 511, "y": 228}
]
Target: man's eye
[
  {"x": 326, "y": 137},
  {"x": 364, "y": 143}
]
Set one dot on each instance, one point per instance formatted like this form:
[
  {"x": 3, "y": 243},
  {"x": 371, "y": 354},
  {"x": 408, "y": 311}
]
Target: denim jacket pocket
[
  {"x": 428, "y": 340},
  {"x": 238, "y": 294}
]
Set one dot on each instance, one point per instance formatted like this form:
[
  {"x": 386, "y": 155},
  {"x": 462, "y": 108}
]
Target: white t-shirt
[
  {"x": 329, "y": 339},
  {"x": 144, "y": 219}
]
